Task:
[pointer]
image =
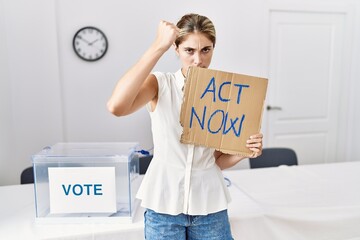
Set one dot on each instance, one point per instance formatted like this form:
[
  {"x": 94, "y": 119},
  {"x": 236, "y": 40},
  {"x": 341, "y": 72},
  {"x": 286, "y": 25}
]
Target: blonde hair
[{"x": 195, "y": 23}]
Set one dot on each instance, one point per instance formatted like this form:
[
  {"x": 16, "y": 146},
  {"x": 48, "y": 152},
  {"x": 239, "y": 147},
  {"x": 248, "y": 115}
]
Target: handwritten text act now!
[{"x": 227, "y": 123}]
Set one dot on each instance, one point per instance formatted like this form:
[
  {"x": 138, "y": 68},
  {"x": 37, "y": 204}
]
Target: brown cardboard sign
[{"x": 222, "y": 110}]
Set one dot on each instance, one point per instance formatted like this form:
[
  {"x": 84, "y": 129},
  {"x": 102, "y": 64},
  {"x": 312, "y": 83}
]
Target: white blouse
[{"x": 181, "y": 178}]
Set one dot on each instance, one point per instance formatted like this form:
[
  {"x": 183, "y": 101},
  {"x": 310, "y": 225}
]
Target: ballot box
[{"x": 86, "y": 182}]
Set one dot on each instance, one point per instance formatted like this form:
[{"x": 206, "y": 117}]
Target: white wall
[
  {"x": 5, "y": 108},
  {"x": 48, "y": 94},
  {"x": 33, "y": 115},
  {"x": 88, "y": 85}
]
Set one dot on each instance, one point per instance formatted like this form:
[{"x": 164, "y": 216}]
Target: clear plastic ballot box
[{"x": 86, "y": 182}]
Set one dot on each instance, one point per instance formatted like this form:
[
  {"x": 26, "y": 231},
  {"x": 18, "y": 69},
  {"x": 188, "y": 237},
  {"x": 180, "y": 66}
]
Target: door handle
[{"x": 268, "y": 107}]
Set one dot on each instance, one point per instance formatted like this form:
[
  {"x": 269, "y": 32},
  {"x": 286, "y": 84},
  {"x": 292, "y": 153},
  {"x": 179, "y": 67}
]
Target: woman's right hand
[
  {"x": 137, "y": 87},
  {"x": 166, "y": 35}
]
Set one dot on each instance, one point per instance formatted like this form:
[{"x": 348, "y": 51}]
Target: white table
[
  {"x": 309, "y": 202},
  {"x": 17, "y": 221}
]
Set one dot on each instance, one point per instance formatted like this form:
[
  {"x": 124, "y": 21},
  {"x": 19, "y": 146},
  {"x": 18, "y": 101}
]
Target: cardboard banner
[{"x": 222, "y": 110}]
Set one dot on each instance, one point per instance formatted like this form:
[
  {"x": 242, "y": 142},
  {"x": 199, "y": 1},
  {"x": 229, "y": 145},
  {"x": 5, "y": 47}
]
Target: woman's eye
[
  {"x": 205, "y": 50},
  {"x": 189, "y": 50}
]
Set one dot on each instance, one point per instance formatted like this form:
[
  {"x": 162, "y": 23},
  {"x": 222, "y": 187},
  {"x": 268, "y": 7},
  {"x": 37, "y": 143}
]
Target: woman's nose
[{"x": 197, "y": 59}]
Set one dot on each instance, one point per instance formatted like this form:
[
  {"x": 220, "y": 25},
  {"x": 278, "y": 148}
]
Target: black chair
[
  {"x": 274, "y": 157},
  {"x": 27, "y": 176},
  {"x": 144, "y": 162}
]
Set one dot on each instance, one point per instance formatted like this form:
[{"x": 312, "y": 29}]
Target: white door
[{"x": 303, "y": 101}]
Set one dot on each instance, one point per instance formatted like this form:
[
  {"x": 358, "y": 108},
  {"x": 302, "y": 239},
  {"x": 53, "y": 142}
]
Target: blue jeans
[{"x": 213, "y": 226}]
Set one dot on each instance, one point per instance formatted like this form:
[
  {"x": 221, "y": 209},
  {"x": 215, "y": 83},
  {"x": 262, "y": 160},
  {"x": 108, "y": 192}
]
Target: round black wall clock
[{"x": 90, "y": 43}]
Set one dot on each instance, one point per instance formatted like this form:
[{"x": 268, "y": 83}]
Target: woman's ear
[{"x": 176, "y": 49}]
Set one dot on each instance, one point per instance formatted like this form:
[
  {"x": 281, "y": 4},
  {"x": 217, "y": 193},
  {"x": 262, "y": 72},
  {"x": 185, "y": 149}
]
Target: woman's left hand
[{"x": 254, "y": 143}]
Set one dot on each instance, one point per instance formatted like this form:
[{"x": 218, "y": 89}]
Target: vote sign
[{"x": 82, "y": 189}]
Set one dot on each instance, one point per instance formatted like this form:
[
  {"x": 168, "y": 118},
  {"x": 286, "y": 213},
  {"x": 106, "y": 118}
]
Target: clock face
[{"x": 90, "y": 44}]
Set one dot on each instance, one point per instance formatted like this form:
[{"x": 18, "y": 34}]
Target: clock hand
[
  {"x": 95, "y": 47},
  {"x": 84, "y": 40},
  {"x": 93, "y": 42}
]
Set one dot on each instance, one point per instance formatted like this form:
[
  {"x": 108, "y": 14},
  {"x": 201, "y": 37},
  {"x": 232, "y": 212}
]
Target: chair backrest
[
  {"x": 27, "y": 176},
  {"x": 274, "y": 157},
  {"x": 144, "y": 162}
]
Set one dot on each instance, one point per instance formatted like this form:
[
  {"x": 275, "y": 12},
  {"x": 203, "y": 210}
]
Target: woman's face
[{"x": 195, "y": 50}]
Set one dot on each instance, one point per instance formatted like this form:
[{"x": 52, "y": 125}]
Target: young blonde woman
[{"x": 183, "y": 190}]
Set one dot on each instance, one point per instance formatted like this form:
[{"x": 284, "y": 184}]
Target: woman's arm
[
  {"x": 138, "y": 86},
  {"x": 254, "y": 143}
]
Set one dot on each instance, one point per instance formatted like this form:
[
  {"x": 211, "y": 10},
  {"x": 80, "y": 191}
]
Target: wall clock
[{"x": 90, "y": 43}]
